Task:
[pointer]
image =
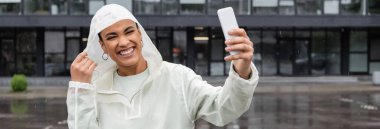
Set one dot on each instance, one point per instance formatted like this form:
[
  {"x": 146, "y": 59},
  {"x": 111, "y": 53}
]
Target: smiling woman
[
  {"x": 122, "y": 42},
  {"x": 135, "y": 85}
]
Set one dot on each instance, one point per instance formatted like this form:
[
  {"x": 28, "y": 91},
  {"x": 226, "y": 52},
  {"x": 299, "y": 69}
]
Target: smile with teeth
[{"x": 127, "y": 52}]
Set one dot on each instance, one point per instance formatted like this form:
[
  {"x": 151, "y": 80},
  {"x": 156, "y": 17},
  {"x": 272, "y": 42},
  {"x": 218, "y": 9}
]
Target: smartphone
[{"x": 228, "y": 22}]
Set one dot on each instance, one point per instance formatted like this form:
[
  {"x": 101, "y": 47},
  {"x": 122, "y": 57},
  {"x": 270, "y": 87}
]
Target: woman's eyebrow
[
  {"x": 111, "y": 33},
  {"x": 128, "y": 28}
]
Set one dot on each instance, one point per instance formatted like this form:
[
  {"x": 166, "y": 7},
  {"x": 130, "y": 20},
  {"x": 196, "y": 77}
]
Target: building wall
[{"x": 292, "y": 37}]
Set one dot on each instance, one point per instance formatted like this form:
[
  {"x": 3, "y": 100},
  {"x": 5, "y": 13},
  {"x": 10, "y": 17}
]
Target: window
[
  {"x": 147, "y": 6},
  {"x": 309, "y": 7},
  {"x": 179, "y": 48},
  {"x": 217, "y": 52},
  {"x": 45, "y": 7},
  {"x": 7, "y": 52},
  {"x": 10, "y": 7},
  {"x": 269, "y": 53},
  {"x": 265, "y": 6},
  {"x": 285, "y": 51},
  {"x": 353, "y": 7},
  {"x": 302, "y": 33},
  {"x": 239, "y": 6},
  {"x": 301, "y": 57},
  {"x": 375, "y": 47},
  {"x": 165, "y": 43},
  {"x": 169, "y": 7},
  {"x": 333, "y": 52},
  {"x": 374, "y": 66},
  {"x": 95, "y": 5},
  {"x": 26, "y": 43},
  {"x": 84, "y": 32},
  {"x": 358, "y": 41},
  {"x": 358, "y": 62},
  {"x": 40, "y": 7},
  {"x": 192, "y": 6},
  {"x": 58, "y": 7},
  {"x": 152, "y": 34},
  {"x": 54, "y": 53},
  {"x": 358, "y": 51},
  {"x": 213, "y": 6},
  {"x": 202, "y": 50},
  {"x": 373, "y": 7},
  {"x": 286, "y": 7},
  {"x": 26, "y": 48},
  {"x": 255, "y": 37},
  {"x": 331, "y": 6},
  {"x": 54, "y": 42},
  {"x": 78, "y": 7},
  {"x": 325, "y": 52},
  {"x": 285, "y": 33},
  {"x": 318, "y": 53},
  {"x": 7, "y": 55},
  {"x": 72, "y": 47}
]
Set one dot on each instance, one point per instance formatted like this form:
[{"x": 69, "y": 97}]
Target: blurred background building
[{"x": 292, "y": 37}]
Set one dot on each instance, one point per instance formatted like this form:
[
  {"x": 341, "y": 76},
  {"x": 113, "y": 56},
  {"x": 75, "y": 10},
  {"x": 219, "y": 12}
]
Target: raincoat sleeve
[
  {"x": 81, "y": 106},
  {"x": 219, "y": 105}
]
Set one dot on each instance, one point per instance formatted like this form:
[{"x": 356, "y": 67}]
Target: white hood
[{"x": 105, "y": 17}]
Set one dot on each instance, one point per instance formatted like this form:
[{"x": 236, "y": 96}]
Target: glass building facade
[{"x": 291, "y": 37}]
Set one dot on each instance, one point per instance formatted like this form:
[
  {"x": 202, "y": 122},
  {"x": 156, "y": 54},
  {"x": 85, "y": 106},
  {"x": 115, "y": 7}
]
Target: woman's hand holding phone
[
  {"x": 244, "y": 46},
  {"x": 238, "y": 43}
]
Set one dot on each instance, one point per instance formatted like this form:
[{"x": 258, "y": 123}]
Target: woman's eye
[
  {"x": 129, "y": 32},
  {"x": 111, "y": 37}
]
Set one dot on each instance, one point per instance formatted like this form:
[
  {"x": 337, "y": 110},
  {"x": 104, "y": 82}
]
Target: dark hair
[{"x": 100, "y": 37}]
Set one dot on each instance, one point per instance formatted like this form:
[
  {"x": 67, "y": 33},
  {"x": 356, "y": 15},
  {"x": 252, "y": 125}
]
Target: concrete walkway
[
  {"x": 263, "y": 88},
  {"x": 276, "y": 105},
  {"x": 217, "y": 80},
  {"x": 56, "y": 87},
  {"x": 34, "y": 92}
]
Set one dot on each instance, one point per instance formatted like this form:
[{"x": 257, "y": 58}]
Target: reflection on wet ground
[
  {"x": 310, "y": 111},
  {"x": 33, "y": 114},
  {"x": 268, "y": 111}
]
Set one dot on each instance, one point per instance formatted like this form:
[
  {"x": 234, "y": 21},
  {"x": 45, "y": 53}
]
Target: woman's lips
[{"x": 127, "y": 52}]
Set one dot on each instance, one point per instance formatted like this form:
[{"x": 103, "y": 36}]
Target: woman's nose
[{"x": 123, "y": 41}]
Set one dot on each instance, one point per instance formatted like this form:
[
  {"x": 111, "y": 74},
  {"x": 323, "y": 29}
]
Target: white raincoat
[{"x": 172, "y": 97}]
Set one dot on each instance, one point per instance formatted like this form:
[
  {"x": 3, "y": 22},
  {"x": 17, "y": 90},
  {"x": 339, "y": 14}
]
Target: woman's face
[{"x": 122, "y": 42}]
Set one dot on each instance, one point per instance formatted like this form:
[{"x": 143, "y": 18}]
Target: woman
[{"x": 120, "y": 81}]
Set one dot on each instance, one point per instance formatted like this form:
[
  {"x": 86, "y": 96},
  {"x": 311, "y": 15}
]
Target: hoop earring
[{"x": 106, "y": 56}]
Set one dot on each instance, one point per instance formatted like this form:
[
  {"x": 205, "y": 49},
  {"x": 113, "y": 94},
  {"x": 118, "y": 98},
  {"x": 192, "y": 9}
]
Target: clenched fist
[{"x": 82, "y": 68}]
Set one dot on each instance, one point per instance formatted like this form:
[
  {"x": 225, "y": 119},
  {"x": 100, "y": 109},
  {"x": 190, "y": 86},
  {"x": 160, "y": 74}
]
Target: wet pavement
[
  {"x": 309, "y": 111},
  {"x": 33, "y": 113},
  {"x": 274, "y": 106}
]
